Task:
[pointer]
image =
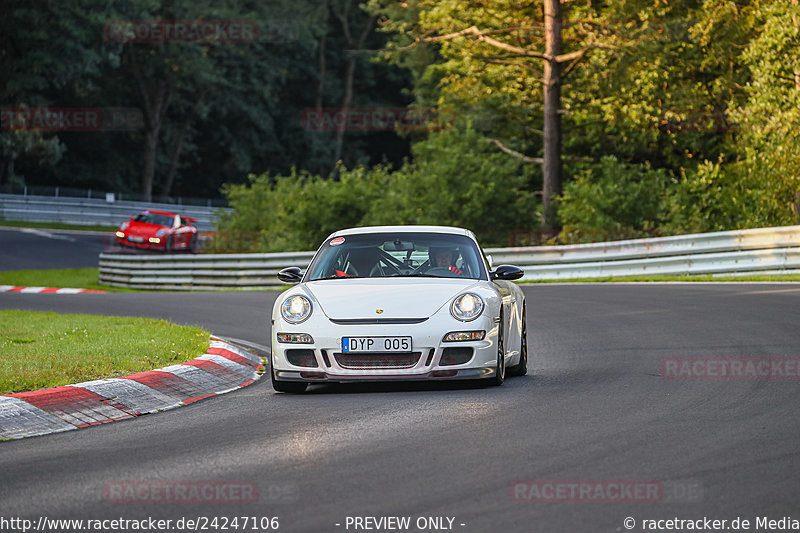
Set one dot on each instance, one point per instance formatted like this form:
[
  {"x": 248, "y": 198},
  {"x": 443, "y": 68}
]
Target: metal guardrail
[
  {"x": 198, "y": 272},
  {"x": 743, "y": 251},
  {"x": 97, "y": 211}
]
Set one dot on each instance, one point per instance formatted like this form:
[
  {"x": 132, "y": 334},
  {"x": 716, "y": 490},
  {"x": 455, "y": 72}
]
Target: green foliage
[
  {"x": 297, "y": 211},
  {"x": 679, "y": 116},
  {"x": 232, "y": 108},
  {"x": 710, "y": 96},
  {"x": 460, "y": 178},
  {"x": 457, "y": 178},
  {"x": 707, "y": 198},
  {"x": 614, "y": 198},
  {"x": 758, "y": 183},
  {"x": 723, "y": 196}
]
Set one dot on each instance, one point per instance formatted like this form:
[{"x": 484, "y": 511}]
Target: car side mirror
[
  {"x": 507, "y": 273},
  {"x": 290, "y": 275}
]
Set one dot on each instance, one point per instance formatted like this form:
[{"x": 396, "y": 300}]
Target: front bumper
[
  {"x": 324, "y": 361},
  {"x": 146, "y": 245},
  {"x": 311, "y": 376}
]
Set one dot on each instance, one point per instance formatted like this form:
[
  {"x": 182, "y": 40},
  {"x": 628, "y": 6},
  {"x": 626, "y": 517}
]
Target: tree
[
  {"x": 614, "y": 199},
  {"x": 756, "y": 182},
  {"x": 457, "y": 178},
  {"x": 506, "y": 34},
  {"x": 34, "y": 39},
  {"x": 211, "y": 110},
  {"x": 354, "y": 42}
]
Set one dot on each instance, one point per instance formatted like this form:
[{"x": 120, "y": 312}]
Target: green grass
[
  {"x": 54, "y": 225},
  {"x": 40, "y": 350},
  {"x": 75, "y": 278},
  {"x": 662, "y": 278}
]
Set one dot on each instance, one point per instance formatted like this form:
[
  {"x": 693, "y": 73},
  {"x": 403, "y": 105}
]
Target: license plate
[
  {"x": 376, "y": 344},
  {"x": 135, "y": 239}
]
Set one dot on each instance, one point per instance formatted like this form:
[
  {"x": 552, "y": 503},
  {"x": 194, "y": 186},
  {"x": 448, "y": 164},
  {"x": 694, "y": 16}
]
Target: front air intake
[
  {"x": 377, "y": 360},
  {"x": 455, "y": 356},
  {"x": 304, "y": 357}
]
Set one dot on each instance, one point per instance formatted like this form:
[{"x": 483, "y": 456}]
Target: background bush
[
  {"x": 457, "y": 178},
  {"x": 613, "y": 199}
]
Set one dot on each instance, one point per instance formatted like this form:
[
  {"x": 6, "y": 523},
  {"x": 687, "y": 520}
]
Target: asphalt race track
[
  {"x": 39, "y": 249},
  {"x": 594, "y": 410}
]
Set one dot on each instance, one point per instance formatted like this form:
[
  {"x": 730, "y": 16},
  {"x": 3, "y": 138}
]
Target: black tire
[
  {"x": 500, "y": 374},
  {"x": 168, "y": 245},
  {"x": 193, "y": 244},
  {"x": 521, "y": 368},
  {"x": 292, "y": 387}
]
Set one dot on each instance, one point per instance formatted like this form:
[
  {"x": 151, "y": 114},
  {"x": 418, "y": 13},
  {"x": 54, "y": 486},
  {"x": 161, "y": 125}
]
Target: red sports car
[{"x": 159, "y": 230}]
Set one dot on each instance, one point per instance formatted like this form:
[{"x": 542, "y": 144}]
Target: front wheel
[{"x": 293, "y": 387}]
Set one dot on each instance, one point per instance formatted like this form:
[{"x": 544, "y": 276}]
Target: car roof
[{"x": 404, "y": 229}]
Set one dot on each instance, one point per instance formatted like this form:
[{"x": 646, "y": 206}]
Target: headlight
[
  {"x": 296, "y": 309},
  {"x": 460, "y": 336},
  {"x": 295, "y": 338},
  {"x": 466, "y": 307},
  {"x": 162, "y": 232}
]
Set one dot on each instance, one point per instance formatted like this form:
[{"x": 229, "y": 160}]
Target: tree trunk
[
  {"x": 154, "y": 108},
  {"x": 149, "y": 167},
  {"x": 166, "y": 186},
  {"x": 322, "y": 71},
  {"x": 347, "y": 99},
  {"x": 551, "y": 167},
  {"x": 350, "y": 71},
  {"x": 321, "y": 67}
]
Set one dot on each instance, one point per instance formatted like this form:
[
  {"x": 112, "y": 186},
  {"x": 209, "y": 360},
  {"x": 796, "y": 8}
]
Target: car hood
[
  {"x": 397, "y": 297},
  {"x": 143, "y": 228}
]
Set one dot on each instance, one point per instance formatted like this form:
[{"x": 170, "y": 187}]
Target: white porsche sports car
[{"x": 398, "y": 303}]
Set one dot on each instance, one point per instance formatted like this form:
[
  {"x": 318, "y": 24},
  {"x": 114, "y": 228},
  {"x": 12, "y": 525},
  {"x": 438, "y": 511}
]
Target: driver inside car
[{"x": 442, "y": 257}]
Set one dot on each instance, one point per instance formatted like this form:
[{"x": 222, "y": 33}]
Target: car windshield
[
  {"x": 154, "y": 218},
  {"x": 380, "y": 255}
]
